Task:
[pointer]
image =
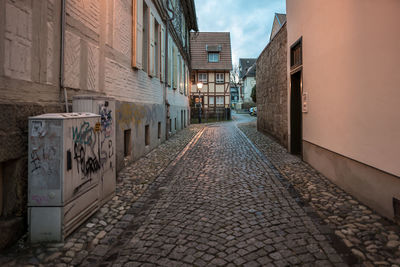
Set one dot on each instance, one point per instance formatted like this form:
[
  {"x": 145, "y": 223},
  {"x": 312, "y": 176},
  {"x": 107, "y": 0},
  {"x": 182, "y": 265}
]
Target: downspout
[
  {"x": 166, "y": 70},
  {"x": 166, "y": 80},
  {"x": 62, "y": 39}
]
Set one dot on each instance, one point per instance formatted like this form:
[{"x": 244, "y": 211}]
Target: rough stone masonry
[{"x": 272, "y": 96}]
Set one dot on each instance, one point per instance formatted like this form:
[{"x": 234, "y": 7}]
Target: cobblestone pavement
[
  {"x": 103, "y": 229},
  {"x": 209, "y": 197},
  {"x": 219, "y": 203},
  {"x": 371, "y": 238}
]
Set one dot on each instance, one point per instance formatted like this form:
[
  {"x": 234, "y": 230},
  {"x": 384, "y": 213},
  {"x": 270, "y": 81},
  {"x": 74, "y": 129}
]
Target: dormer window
[{"x": 213, "y": 57}]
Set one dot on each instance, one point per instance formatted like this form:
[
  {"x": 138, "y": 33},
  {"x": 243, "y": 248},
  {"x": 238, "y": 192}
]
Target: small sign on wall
[{"x": 305, "y": 102}]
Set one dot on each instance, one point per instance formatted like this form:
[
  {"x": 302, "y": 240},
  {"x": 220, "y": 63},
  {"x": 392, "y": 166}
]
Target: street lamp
[{"x": 199, "y": 86}]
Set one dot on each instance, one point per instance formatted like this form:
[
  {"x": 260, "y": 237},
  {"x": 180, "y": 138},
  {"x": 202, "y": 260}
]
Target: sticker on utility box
[
  {"x": 38, "y": 128},
  {"x": 97, "y": 127}
]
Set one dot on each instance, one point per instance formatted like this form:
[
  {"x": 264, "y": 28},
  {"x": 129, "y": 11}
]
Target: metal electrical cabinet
[
  {"x": 64, "y": 173},
  {"x": 105, "y": 107}
]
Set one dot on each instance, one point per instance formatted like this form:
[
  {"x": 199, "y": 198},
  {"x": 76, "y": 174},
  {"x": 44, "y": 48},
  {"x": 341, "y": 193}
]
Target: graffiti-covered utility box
[
  {"x": 64, "y": 173},
  {"x": 105, "y": 107}
]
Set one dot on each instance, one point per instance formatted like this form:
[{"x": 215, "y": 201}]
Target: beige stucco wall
[{"x": 351, "y": 73}]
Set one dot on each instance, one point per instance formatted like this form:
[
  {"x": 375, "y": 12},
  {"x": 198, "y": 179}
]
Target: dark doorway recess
[{"x": 296, "y": 136}]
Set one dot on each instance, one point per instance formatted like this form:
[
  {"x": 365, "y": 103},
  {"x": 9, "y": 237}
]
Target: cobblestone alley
[{"x": 209, "y": 197}]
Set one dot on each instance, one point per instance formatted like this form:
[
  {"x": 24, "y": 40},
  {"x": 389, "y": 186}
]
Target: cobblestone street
[{"x": 209, "y": 197}]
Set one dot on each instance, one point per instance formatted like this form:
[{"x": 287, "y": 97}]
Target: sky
[{"x": 248, "y": 21}]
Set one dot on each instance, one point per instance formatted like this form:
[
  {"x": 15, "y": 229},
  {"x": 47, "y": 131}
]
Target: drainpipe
[
  {"x": 166, "y": 80},
  {"x": 62, "y": 39},
  {"x": 166, "y": 70}
]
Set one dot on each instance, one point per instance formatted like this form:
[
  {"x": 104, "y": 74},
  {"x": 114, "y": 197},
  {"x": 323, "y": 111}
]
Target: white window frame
[
  {"x": 219, "y": 100},
  {"x": 202, "y": 77},
  {"x": 218, "y": 77},
  {"x": 211, "y": 101},
  {"x": 213, "y": 57}
]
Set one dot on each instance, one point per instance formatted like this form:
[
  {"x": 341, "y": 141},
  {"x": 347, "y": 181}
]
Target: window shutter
[
  {"x": 162, "y": 53},
  {"x": 179, "y": 73},
  {"x": 186, "y": 80},
  {"x": 181, "y": 77},
  {"x": 152, "y": 48},
  {"x": 175, "y": 62},
  {"x": 170, "y": 55},
  {"x": 137, "y": 34}
]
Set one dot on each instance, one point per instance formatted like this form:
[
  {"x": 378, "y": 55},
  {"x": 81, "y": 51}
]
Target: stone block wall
[{"x": 272, "y": 96}]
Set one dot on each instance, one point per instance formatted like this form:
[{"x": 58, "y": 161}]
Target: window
[
  {"x": 147, "y": 135},
  {"x": 159, "y": 130},
  {"x": 211, "y": 101},
  {"x": 203, "y": 77},
  {"x": 175, "y": 67},
  {"x": 175, "y": 124},
  {"x": 156, "y": 57},
  {"x": 162, "y": 53},
  {"x": 296, "y": 54},
  {"x": 147, "y": 41},
  {"x": 193, "y": 78},
  {"x": 220, "y": 78},
  {"x": 170, "y": 64},
  {"x": 181, "y": 79},
  {"x": 145, "y": 38},
  {"x": 220, "y": 100},
  {"x": 186, "y": 80},
  {"x": 213, "y": 57}
]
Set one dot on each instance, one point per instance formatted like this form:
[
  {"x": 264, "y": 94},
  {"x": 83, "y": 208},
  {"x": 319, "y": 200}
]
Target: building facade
[
  {"x": 135, "y": 51},
  {"x": 343, "y": 86},
  {"x": 248, "y": 82},
  {"x": 234, "y": 95},
  {"x": 211, "y": 65},
  {"x": 272, "y": 100},
  {"x": 245, "y": 87}
]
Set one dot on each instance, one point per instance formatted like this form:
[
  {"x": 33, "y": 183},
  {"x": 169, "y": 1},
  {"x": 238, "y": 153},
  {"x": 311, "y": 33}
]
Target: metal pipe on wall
[
  {"x": 62, "y": 40},
  {"x": 166, "y": 81},
  {"x": 166, "y": 70}
]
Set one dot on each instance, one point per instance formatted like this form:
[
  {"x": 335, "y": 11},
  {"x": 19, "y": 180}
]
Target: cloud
[{"x": 249, "y": 22}]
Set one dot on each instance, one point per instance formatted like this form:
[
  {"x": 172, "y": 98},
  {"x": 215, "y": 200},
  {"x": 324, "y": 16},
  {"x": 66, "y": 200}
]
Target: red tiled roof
[{"x": 198, "y": 43}]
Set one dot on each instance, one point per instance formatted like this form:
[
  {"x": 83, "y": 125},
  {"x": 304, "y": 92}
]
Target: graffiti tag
[
  {"x": 83, "y": 135},
  {"x": 106, "y": 121},
  {"x": 87, "y": 165},
  {"x": 35, "y": 160}
]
